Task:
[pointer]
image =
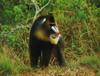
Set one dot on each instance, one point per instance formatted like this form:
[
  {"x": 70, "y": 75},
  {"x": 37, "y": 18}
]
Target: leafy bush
[{"x": 95, "y": 2}]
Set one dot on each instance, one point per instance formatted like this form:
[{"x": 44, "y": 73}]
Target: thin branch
[
  {"x": 36, "y": 5},
  {"x": 44, "y": 6},
  {"x": 38, "y": 9}
]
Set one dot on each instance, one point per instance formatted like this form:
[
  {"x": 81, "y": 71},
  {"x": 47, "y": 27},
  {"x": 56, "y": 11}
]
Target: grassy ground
[
  {"x": 58, "y": 71},
  {"x": 12, "y": 65}
]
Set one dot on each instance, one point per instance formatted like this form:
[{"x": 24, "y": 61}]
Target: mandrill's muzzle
[{"x": 54, "y": 38}]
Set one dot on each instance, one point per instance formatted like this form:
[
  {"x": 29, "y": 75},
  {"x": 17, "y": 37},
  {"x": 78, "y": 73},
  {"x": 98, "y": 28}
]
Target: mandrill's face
[
  {"x": 52, "y": 32},
  {"x": 55, "y": 35},
  {"x": 48, "y": 32}
]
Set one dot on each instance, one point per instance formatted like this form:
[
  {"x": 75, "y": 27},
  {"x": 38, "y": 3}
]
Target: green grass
[
  {"x": 6, "y": 65},
  {"x": 10, "y": 63},
  {"x": 91, "y": 61}
]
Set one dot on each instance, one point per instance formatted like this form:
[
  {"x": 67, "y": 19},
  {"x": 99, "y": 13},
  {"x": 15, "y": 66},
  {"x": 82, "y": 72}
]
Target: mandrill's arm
[{"x": 58, "y": 52}]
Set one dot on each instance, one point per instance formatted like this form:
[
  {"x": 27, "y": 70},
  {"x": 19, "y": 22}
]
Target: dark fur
[{"x": 40, "y": 51}]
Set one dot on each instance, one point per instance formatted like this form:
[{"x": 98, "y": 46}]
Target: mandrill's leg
[
  {"x": 35, "y": 53},
  {"x": 45, "y": 57},
  {"x": 34, "y": 57}
]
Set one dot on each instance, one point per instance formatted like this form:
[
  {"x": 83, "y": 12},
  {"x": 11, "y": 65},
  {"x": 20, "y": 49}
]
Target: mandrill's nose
[
  {"x": 55, "y": 29},
  {"x": 57, "y": 34}
]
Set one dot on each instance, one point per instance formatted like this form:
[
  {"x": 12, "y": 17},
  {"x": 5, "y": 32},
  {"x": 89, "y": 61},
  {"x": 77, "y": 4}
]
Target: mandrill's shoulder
[{"x": 40, "y": 20}]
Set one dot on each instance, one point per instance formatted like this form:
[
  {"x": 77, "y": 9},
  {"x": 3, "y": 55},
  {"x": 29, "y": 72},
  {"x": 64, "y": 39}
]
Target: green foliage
[
  {"x": 18, "y": 12},
  {"x": 14, "y": 37},
  {"x": 95, "y": 2},
  {"x": 15, "y": 12}
]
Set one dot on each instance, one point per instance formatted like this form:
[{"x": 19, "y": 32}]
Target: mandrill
[{"x": 45, "y": 37}]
